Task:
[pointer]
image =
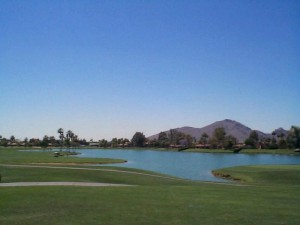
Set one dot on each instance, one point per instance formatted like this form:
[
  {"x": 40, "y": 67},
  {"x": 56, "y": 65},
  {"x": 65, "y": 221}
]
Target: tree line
[
  {"x": 171, "y": 139},
  {"x": 221, "y": 140},
  {"x": 65, "y": 140},
  {"x": 68, "y": 139},
  {"x": 176, "y": 139},
  {"x": 278, "y": 140}
]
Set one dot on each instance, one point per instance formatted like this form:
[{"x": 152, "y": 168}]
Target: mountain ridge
[{"x": 232, "y": 127}]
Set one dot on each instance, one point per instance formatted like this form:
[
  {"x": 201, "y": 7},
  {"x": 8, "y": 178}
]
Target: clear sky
[{"x": 107, "y": 69}]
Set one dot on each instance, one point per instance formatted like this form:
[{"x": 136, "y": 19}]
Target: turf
[
  {"x": 264, "y": 174},
  {"x": 19, "y": 156},
  {"x": 87, "y": 174},
  {"x": 269, "y": 195},
  {"x": 203, "y": 204}
]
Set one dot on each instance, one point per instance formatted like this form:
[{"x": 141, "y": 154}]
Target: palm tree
[
  {"x": 12, "y": 138},
  {"x": 75, "y": 140},
  {"x": 70, "y": 137},
  {"x": 61, "y": 136}
]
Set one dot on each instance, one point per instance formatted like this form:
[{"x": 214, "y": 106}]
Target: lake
[{"x": 187, "y": 165}]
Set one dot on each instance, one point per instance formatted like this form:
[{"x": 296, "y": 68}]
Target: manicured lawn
[
  {"x": 87, "y": 174},
  {"x": 270, "y": 195},
  {"x": 19, "y": 156},
  {"x": 161, "y": 204},
  {"x": 265, "y": 174}
]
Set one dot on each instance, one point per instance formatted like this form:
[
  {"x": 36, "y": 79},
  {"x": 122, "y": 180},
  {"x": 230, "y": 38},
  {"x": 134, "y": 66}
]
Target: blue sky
[{"x": 107, "y": 69}]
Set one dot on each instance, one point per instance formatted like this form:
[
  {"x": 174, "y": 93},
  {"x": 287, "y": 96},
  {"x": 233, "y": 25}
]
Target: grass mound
[{"x": 263, "y": 174}]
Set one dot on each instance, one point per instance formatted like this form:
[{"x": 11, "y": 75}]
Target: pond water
[{"x": 187, "y": 165}]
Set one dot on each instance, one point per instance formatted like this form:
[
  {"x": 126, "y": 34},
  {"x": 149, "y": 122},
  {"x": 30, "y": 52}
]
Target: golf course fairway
[{"x": 260, "y": 195}]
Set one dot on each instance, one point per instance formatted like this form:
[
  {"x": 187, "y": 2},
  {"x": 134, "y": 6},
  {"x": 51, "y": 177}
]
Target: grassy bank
[
  {"x": 229, "y": 151},
  {"x": 270, "y": 195},
  {"x": 86, "y": 174},
  {"x": 15, "y": 156},
  {"x": 247, "y": 151},
  {"x": 279, "y": 175}
]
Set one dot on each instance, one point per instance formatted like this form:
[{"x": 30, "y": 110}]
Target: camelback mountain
[{"x": 234, "y": 128}]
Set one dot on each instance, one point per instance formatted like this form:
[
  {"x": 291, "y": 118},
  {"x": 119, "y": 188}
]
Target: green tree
[
  {"x": 204, "y": 139},
  {"x": 12, "y": 138},
  {"x": 293, "y": 138},
  {"x": 153, "y": 143},
  {"x": 74, "y": 141},
  {"x": 163, "y": 140},
  {"x": 282, "y": 144},
  {"x": 83, "y": 142},
  {"x": 229, "y": 141},
  {"x": 34, "y": 142},
  {"x": 273, "y": 144},
  {"x": 189, "y": 140},
  {"x": 69, "y": 138},
  {"x": 138, "y": 139},
  {"x": 3, "y": 141},
  {"x": 218, "y": 137},
  {"x": 253, "y": 139},
  {"x": 26, "y": 141},
  {"x": 114, "y": 142},
  {"x": 52, "y": 140},
  {"x": 46, "y": 138},
  {"x": 45, "y": 142},
  {"x": 254, "y": 136},
  {"x": 175, "y": 136},
  {"x": 103, "y": 143},
  {"x": 61, "y": 136}
]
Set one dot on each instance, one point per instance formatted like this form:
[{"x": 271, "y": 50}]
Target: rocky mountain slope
[{"x": 234, "y": 128}]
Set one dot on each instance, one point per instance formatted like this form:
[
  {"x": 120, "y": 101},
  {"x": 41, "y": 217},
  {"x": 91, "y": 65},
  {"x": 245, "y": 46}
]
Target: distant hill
[
  {"x": 234, "y": 128},
  {"x": 281, "y": 131}
]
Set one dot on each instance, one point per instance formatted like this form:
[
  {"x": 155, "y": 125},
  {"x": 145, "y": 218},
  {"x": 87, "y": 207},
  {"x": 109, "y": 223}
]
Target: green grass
[
  {"x": 271, "y": 195},
  {"x": 18, "y": 156},
  {"x": 87, "y": 174},
  {"x": 264, "y": 174},
  {"x": 167, "y": 204}
]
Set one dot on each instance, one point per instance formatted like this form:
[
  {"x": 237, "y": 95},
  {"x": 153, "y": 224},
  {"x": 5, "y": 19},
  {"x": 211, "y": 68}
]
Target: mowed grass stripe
[
  {"x": 94, "y": 169},
  {"x": 31, "y": 173}
]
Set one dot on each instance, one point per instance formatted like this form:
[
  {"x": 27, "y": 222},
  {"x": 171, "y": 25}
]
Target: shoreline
[
  {"x": 78, "y": 163},
  {"x": 194, "y": 150},
  {"x": 225, "y": 176}
]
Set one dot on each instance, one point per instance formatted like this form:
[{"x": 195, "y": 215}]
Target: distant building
[{"x": 94, "y": 144}]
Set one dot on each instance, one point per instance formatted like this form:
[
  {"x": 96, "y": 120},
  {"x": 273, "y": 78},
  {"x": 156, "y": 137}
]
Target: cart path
[{"x": 83, "y": 184}]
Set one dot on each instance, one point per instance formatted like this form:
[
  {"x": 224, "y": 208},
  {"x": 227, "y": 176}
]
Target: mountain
[
  {"x": 234, "y": 128},
  {"x": 281, "y": 131}
]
